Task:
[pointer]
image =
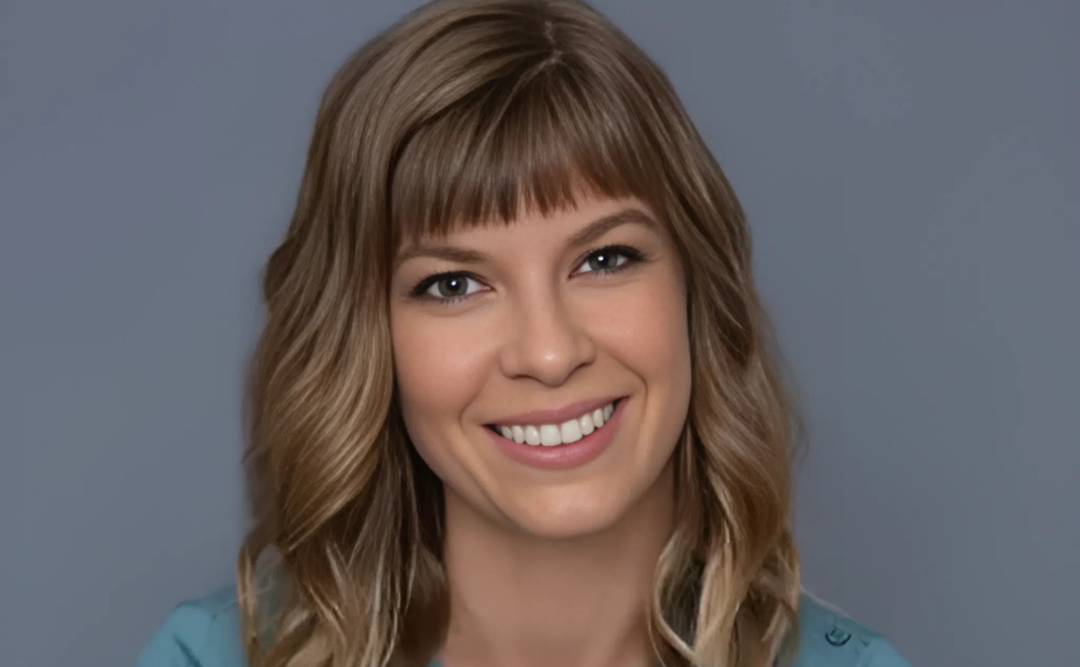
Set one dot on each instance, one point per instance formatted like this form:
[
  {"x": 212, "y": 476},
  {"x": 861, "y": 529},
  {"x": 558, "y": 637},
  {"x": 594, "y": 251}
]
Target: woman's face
[{"x": 533, "y": 331}]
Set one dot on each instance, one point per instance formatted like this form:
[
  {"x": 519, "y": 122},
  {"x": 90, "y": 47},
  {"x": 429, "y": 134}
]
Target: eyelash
[{"x": 632, "y": 256}]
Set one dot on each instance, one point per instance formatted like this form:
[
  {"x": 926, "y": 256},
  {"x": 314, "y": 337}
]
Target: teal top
[{"x": 206, "y": 633}]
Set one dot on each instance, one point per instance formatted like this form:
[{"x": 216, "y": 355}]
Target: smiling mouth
[{"x": 553, "y": 435}]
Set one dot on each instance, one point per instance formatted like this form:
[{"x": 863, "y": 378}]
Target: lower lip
[{"x": 562, "y": 457}]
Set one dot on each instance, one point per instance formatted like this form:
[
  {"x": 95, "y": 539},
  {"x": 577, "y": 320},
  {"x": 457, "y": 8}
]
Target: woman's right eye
[{"x": 446, "y": 287}]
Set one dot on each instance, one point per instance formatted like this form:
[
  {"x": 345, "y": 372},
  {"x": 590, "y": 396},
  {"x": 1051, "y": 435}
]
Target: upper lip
[{"x": 557, "y": 415}]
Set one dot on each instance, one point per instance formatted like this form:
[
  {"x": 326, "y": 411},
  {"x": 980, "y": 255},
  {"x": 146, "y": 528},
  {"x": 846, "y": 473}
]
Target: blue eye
[
  {"x": 606, "y": 260},
  {"x": 445, "y": 287}
]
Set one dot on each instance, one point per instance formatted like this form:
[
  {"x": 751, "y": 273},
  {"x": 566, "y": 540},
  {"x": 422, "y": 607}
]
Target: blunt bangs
[{"x": 534, "y": 140}]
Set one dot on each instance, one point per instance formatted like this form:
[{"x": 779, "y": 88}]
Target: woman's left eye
[{"x": 607, "y": 260}]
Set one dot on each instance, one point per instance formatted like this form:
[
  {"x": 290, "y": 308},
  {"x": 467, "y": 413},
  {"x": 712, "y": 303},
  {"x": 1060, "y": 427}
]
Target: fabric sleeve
[
  {"x": 880, "y": 653},
  {"x": 180, "y": 641}
]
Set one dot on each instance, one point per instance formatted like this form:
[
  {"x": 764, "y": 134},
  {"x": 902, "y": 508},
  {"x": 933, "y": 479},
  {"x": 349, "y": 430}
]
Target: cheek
[
  {"x": 650, "y": 336},
  {"x": 438, "y": 366},
  {"x": 649, "y": 332}
]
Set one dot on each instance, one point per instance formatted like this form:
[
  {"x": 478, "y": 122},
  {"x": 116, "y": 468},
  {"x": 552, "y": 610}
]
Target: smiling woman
[
  {"x": 574, "y": 322},
  {"x": 516, "y": 401}
]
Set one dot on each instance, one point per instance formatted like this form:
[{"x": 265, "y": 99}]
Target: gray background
[{"x": 910, "y": 169}]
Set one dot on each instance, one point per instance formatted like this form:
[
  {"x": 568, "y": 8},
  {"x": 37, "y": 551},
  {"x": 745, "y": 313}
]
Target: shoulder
[
  {"x": 203, "y": 632},
  {"x": 828, "y": 638}
]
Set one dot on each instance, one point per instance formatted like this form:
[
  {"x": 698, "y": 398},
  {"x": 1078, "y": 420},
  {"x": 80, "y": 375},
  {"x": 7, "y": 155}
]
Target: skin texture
[{"x": 547, "y": 567}]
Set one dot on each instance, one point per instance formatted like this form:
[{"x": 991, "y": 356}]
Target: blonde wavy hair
[{"x": 461, "y": 113}]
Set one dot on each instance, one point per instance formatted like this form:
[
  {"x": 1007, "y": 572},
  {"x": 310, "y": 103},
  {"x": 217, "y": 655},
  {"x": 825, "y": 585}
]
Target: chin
[{"x": 566, "y": 516}]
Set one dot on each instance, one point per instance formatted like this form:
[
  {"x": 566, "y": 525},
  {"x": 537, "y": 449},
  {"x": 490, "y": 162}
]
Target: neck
[{"x": 523, "y": 601}]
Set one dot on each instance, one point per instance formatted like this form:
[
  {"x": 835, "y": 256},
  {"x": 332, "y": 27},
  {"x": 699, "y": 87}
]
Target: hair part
[{"x": 467, "y": 113}]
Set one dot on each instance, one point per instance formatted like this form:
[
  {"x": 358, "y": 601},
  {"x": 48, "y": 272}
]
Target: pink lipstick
[{"x": 565, "y": 456}]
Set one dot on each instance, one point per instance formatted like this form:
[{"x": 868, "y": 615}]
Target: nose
[{"x": 548, "y": 340}]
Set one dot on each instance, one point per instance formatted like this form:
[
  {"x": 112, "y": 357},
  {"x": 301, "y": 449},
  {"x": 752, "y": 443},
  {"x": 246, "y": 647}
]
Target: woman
[{"x": 515, "y": 402}]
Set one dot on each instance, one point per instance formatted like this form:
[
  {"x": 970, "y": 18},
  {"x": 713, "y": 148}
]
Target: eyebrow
[{"x": 584, "y": 236}]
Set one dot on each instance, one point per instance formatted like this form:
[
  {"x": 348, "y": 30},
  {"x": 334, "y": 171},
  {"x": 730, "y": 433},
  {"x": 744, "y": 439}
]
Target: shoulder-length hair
[{"x": 460, "y": 113}]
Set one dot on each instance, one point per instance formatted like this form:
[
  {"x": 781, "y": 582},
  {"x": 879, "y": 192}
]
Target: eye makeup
[{"x": 422, "y": 288}]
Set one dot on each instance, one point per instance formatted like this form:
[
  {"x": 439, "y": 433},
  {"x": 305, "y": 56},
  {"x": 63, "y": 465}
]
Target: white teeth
[
  {"x": 551, "y": 435},
  {"x": 587, "y": 425},
  {"x": 570, "y": 431},
  {"x": 532, "y": 435}
]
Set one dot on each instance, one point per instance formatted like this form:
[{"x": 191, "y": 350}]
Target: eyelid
[
  {"x": 421, "y": 288},
  {"x": 632, "y": 255}
]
